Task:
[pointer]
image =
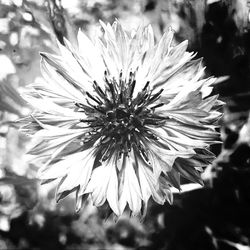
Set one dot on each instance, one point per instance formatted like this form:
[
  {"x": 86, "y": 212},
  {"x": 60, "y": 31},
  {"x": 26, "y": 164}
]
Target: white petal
[
  {"x": 80, "y": 169},
  {"x": 104, "y": 185},
  {"x": 130, "y": 191},
  {"x": 149, "y": 184},
  {"x": 91, "y": 56},
  {"x": 58, "y": 84},
  {"x": 75, "y": 76}
]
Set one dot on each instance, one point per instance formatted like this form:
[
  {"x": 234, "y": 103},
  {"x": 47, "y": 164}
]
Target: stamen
[
  {"x": 143, "y": 99},
  {"x": 120, "y": 78},
  {"x": 87, "y": 120},
  {"x": 155, "y": 96},
  {"x": 152, "y": 121},
  {"x": 130, "y": 78},
  {"x": 99, "y": 90},
  {"x": 97, "y": 108},
  {"x": 79, "y": 105},
  {"x": 121, "y": 97},
  {"x": 93, "y": 98},
  {"x": 146, "y": 86},
  {"x": 111, "y": 88},
  {"x": 132, "y": 88},
  {"x": 139, "y": 110},
  {"x": 158, "y": 105}
]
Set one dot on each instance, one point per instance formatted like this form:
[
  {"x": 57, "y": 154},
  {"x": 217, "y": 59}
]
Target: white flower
[{"x": 121, "y": 118}]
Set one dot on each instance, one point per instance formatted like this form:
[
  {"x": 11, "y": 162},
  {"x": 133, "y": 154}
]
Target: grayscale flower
[{"x": 121, "y": 118}]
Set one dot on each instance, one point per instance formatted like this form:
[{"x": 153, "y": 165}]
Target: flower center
[{"x": 120, "y": 120}]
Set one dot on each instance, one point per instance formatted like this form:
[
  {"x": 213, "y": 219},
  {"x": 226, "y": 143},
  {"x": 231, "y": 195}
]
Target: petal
[
  {"x": 91, "y": 57},
  {"x": 80, "y": 167},
  {"x": 177, "y": 141},
  {"x": 104, "y": 185},
  {"x": 130, "y": 189},
  {"x": 75, "y": 76},
  {"x": 202, "y": 132},
  {"x": 58, "y": 84},
  {"x": 187, "y": 170},
  {"x": 148, "y": 183},
  {"x": 46, "y": 105}
]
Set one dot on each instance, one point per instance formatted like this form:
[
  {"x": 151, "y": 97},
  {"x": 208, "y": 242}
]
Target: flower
[{"x": 120, "y": 119}]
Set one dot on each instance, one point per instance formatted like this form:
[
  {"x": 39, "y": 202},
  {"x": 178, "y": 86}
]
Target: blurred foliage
[{"x": 214, "y": 217}]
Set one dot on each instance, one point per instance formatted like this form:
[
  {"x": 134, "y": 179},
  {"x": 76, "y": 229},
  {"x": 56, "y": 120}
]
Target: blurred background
[{"x": 216, "y": 216}]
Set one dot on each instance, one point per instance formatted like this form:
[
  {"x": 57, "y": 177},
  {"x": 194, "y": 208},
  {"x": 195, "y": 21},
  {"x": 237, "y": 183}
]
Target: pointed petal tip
[
  {"x": 43, "y": 54},
  {"x": 79, "y": 31},
  {"x": 103, "y": 25},
  {"x": 59, "y": 44},
  {"x": 62, "y": 195},
  {"x": 171, "y": 200},
  {"x": 221, "y": 79},
  {"x": 78, "y": 205},
  {"x": 101, "y": 22},
  {"x": 201, "y": 182}
]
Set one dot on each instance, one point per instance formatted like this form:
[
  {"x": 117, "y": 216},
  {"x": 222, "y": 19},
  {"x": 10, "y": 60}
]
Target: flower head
[{"x": 121, "y": 118}]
